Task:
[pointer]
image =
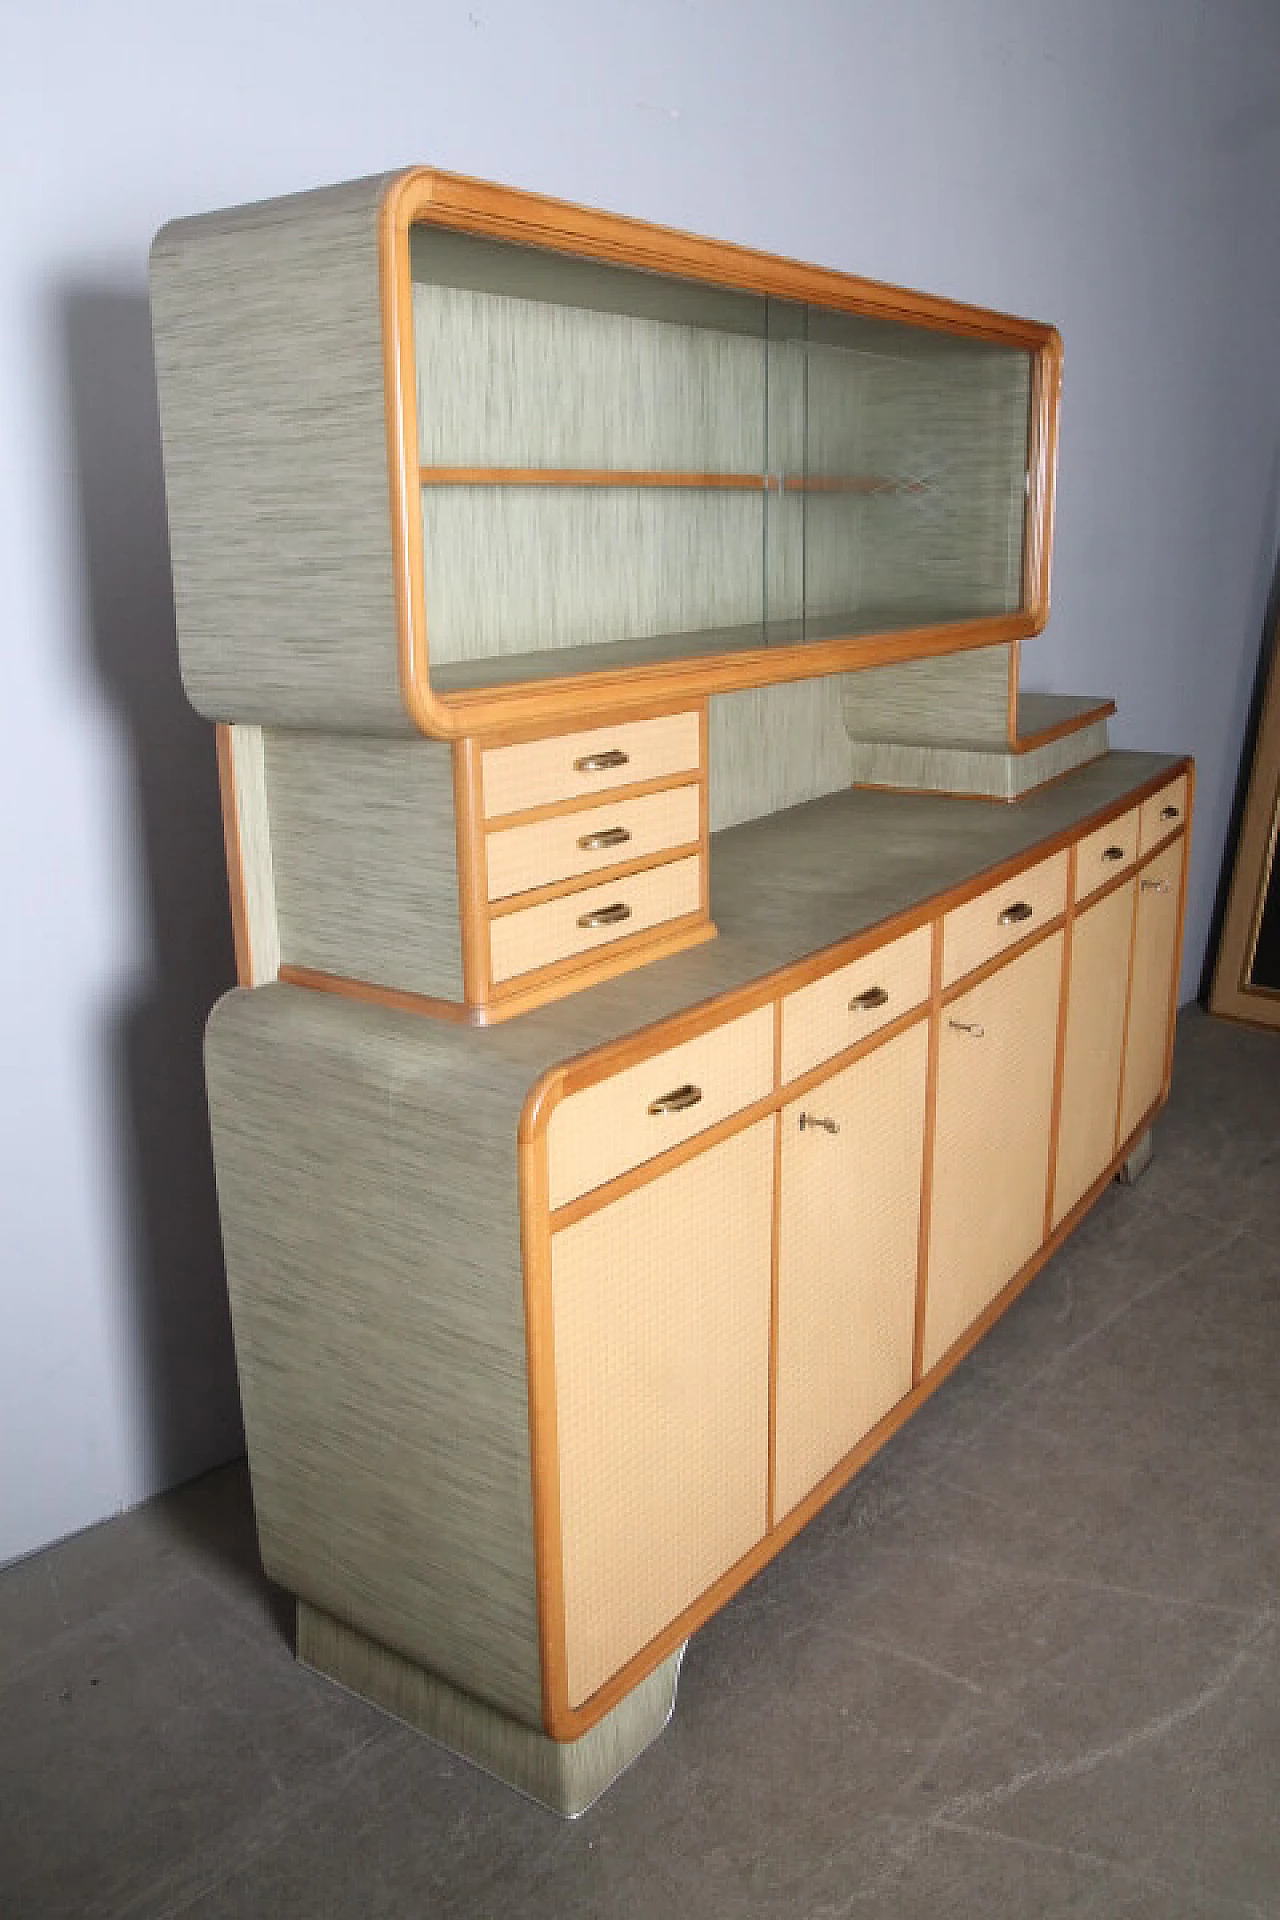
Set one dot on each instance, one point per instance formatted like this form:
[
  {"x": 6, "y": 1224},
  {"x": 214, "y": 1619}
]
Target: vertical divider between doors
[
  {"x": 926, "y": 1169},
  {"x": 773, "y": 1273},
  {"x": 1060, "y": 1047}
]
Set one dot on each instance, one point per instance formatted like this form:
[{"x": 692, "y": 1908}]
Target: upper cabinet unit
[{"x": 446, "y": 456}]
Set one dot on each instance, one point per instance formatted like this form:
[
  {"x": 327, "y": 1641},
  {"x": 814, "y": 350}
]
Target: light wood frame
[
  {"x": 1255, "y": 871},
  {"x": 424, "y": 196}
]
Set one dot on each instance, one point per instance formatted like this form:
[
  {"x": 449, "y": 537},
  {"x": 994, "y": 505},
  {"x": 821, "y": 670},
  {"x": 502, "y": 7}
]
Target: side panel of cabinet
[
  {"x": 1151, "y": 994},
  {"x": 996, "y": 1051},
  {"x": 847, "y": 1259},
  {"x": 1099, "y": 977},
  {"x": 660, "y": 1310}
]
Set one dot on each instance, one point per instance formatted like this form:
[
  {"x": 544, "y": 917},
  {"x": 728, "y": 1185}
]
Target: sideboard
[{"x": 689, "y": 985}]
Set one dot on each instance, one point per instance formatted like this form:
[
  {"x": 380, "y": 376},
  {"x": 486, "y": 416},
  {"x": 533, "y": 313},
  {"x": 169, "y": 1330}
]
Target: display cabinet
[{"x": 616, "y": 641}]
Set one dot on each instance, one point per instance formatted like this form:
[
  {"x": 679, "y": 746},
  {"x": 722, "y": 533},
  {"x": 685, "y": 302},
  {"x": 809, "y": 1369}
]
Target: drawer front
[
  {"x": 608, "y": 1128},
  {"x": 518, "y": 858},
  {"x": 843, "y": 1007},
  {"x": 576, "y": 766},
  {"x": 539, "y": 936},
  {"x": 1102, "y": 855},
  {"x": 1163, "y": 813},
  {"x": 1001, "y": 917}
]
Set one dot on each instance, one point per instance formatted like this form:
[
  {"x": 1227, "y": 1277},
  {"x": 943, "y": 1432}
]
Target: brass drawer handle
[
  {"x": 605, "y": 916},
  {"x": 808, "y": 1120},
  {"x": 1113, "y": 853},
  {"x": 864, "y": 1002},
  {"x": 607, "y": 837},
  {"x": 1169, "y": 813},
  {"x": 1020, "y": 910},
  {"x": 679, "y": 1100},
  {"x": 601, "y": 762},
  {"x": 972, "y": 1027},
  {"x": 1156, "y": 886}
]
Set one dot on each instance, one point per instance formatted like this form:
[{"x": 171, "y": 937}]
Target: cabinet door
[
  {"x": 996, "y": 1049},
  {"x": 1096, "y": 992},
  {"x": 660, "y": 1311},
  {"x": 1151, "y": 993},
  {"x": 848, "y": 1254}
]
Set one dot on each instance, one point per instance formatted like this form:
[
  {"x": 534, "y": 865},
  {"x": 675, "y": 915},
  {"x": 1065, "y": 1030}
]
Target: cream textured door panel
[
  {"x": 1099, "y": 979},
  {"x": 1163, "y": 813},
  {"x": 1101, "y": 855},
  {"x": 600, "y": 1132},
  {"x": 577, "y": 766},
  {"x": 580, "y": 923},
  {"x": 1002, "y": 917},
  {"x": 1151, "y": 995},
  {"x": 518, "y": 858},
  {"x": 848, "y": 1253},
  {"x": 846, "y": 1005},
  {"x": 661, "y": 1307},
  {"x": 996, "y": 1053}
]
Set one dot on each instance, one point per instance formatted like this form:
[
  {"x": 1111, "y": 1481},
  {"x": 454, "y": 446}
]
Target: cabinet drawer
[
  {"x": 518, "y": 858},
  {"x": 1102, "y": 855},
  {"x": 581, "y": 922},
  {"x": 607, "y": 1128},
  {"x": 575, "y": 766},
  {"x": 1002, "y": 916},
  {"x": 1163, "y": 813},
  {"x": 845, "y": 1006}
]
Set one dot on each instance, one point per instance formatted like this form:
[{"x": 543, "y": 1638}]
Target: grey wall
[{"x": 1111, "y": 166}]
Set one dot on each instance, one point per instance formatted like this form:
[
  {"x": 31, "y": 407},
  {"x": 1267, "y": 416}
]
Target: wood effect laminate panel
[
  {"x": 364, "y": 847},
  {"x": 600, "y": 1132},
  {"x": 995, "y": 921},
  {"x": 519, "y": 858},
  {"x": 535, "y": 773},
  {"x": 991, "y": 1152},
  {"x": 268, "y": 340},
  {"x": 1151, "y": 993},
  {"x": 539, "y": 936},
  {"x": 1094, "y": 1048},
  {"x": 847, "y": 1257},
  {"x": 821, "y": 1019},
  {"x": 661, "y": 1329}
]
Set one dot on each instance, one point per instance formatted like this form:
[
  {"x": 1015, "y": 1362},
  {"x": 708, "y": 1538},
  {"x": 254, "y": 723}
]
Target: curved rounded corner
[
  {"x": 404, "y": 195},
  {"x": 540, "y": 1103}
]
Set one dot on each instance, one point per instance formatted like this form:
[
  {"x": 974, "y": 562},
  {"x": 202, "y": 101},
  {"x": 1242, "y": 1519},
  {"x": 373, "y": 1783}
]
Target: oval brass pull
[
  {"x": 601, "y": 762},
  {"x": 1156, "y": 886},
  {"x": 678, "y": 1100},
  {"x": 605, "y": 916},
  {"x": 971, "y": 1027},
  {"x": 864, "y": 1002},
  {"x": 607, "y": 837},
  {"x": 808, "y": 1120},
  {"x": 1169, "y": 813},
  {"x": 1020, "y": 910},
  {"x": 1113, "y": 853}
]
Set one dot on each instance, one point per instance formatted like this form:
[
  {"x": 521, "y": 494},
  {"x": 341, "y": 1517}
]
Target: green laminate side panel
[
  {"x": 369, "y": 1205},
  {"x": 954, "y": 700},
  {"x": 985, "y": 773},
  {"x": 268, "y": 347},
  {"x": 364, "y": 850},
  {"x": 773, "y": 747},
  {"x": 566, "y": 1776}
]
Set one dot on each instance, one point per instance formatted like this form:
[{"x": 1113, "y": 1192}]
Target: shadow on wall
[{"x": 191, "y": 1417}]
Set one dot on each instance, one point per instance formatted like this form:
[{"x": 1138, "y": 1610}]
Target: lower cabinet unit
[
  {"x": 548, "y": 1336},
  {"x": 996, "y": 1053},
  {"x": 1149, "y": 1038},
  {"x": 1093, "y": 1053},
  {"x": 661, "y": 1304},
  {"x": 848, "y": 1255}
]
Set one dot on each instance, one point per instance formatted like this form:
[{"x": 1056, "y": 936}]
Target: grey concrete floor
[{"x": 1025, "y": 1665}]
